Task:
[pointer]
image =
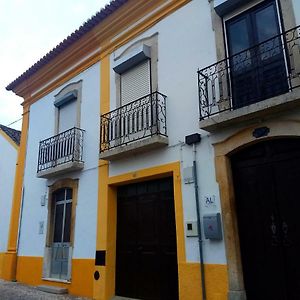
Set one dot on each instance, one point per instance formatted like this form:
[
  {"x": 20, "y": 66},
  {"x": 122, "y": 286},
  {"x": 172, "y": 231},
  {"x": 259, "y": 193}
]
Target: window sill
[{"x": 57, "y": 280}]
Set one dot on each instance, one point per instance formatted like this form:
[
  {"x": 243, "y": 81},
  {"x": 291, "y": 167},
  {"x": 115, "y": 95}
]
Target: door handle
[
  {"x": 285, "y": 237},
  {"x": 274, "y": 236}
]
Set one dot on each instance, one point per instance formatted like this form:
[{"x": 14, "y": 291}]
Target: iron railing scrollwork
[
  {"x": 61, "y": 148},
  {"x": 268, "y": 69},
  {"x": 142, "y": 118}
]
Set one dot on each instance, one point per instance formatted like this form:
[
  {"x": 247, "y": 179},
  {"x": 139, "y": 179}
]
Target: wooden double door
[
  {"x": 267, "y": 191},
  {"x": 146, "y": 256}
]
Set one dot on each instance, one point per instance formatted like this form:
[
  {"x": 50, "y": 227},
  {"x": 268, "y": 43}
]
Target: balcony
[
  {"x": 61, "y": 153},
  {"x": 135, "y": 127},
  {"x": 251, "y": 84}
]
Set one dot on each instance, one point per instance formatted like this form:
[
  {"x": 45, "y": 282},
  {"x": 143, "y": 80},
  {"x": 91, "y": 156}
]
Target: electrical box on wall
[
  {"x": 212, "y": 226},
  {"x": 188, "y": 175},
  {"x": 191, "y": 228}
]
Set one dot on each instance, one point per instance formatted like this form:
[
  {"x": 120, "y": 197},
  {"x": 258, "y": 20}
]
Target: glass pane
[
  {"x": 238, "y": 36},
  {"x": 67, "y": 230},
  {"x": 69, "y": 194},
  {"x": 267, "y": 27},
  {"x": 59, "y": 195},
  {"x": 58, "y": 221},
  {"x": 266, "y": 23}
]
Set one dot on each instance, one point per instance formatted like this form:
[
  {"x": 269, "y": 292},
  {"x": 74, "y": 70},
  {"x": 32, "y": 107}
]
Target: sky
[{"x": 28, "y": 30}]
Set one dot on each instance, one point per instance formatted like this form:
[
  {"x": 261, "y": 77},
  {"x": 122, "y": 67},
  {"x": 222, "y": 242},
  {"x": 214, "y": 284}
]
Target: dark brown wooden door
[
  {"x": 267, "y": 191},
  {"x": 146, "y": 263}
]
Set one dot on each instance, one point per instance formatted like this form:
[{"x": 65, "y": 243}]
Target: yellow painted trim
[
  {"x": 101, "y": 287},
  {"x": 30, "y": 268},
  {"x": 104, "y": 288},
  {"x": 2, "y": 254},
  {"x": 170, "y": 169},
  {"x": 108, "y": 45},
  {"x": 10, "y": 259},
  {"x": 6, "y": 137},
  {"x": 216, "y": 281},
  {"x": 223, "y": 149}
]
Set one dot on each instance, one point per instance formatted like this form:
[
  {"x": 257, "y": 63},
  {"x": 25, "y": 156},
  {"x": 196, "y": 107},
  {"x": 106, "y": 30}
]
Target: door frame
[
  {"x": 62, "y": 183},
  {"x": 104, "y": 285},
  {"x": 223, "y": 150}
]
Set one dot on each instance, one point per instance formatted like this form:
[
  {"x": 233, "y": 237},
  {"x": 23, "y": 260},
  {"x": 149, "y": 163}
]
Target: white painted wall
[
  {"x": 296, "y": 5},
  {"x": 8, "y": 160},
  {"x": 185, "y": 43},
  {"x": 41, "y": 126}
]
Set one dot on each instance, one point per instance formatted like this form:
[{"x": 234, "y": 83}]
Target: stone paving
[{"x": 17, "y": 291}]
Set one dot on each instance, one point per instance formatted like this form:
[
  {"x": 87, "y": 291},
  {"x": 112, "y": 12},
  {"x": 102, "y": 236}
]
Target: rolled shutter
[{"x": 135, "y": 83}]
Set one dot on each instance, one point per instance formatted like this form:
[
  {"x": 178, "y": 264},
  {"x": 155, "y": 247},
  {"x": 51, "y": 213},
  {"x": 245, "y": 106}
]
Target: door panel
[
  {"x": 146, "y": 265},
  {"x": 287, "y": 172},
  {"x": 266, "y": 180}
]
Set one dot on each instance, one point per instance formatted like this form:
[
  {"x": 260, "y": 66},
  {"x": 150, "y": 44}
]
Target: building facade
[
  {"x": 141, "y": 177},
  {"x": 9, "y": 145}
]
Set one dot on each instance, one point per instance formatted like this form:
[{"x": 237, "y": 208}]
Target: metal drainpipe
[{"x": 199, "y": 225}]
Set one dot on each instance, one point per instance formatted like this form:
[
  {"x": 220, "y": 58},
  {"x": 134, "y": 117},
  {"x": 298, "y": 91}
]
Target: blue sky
[{"x": 28, "y": 30}]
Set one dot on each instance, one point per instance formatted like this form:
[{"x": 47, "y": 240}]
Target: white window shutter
[
  {"x": 67, "y": 116},
  {"x": 135, "y": 83}
]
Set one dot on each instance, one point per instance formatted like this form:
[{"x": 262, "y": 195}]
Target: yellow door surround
[
  {"x": 243, "y": 138},
  {"x": 104, "y": 287}
]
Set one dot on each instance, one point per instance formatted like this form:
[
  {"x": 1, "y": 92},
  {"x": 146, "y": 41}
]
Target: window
[
  {"x": 60, "y": 230},
  {"x": 255, "y": 48},
  {"x": 67, "y": 103},
  {"x": 135, "y": 83},
  {"x": 62, "y": 214},
  {"x": 136, "y": 70}
]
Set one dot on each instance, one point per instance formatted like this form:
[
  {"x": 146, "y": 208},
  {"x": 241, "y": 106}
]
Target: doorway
[
  {"x": 266, "y": 184},
  {"x": 61, "y": 223},
  {"x": 146, "y": 256}
]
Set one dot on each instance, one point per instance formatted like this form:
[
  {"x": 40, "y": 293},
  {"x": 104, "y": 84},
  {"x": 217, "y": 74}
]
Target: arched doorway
[{"x": 267, "y": 202}]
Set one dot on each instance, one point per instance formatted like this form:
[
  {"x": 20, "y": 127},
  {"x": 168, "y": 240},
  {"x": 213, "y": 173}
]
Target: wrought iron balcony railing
[
  {"x": 266, "y": 70},
  {"x": 60, "y": 149},
  {"x": 134, "y": 121}
]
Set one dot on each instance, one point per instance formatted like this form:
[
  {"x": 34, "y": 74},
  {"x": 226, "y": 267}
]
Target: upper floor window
[
  {"x": 136, "y": 70},
  {"x": 67, "y": 103},
  {"x": 135, "y": 82},
  {"x": 257, "y": 61}
]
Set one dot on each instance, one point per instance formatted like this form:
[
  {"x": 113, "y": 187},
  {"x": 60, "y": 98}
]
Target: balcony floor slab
[
  {"x": 254, "y": 111},
  {"x": 61, "y": 169},
  {"x": 143, "y": 145}
]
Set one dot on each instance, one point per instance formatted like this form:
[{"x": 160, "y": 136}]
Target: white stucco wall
[
  {"x": 8, "y": 159},
  {"x": 185, "y": 43},
  {"x": 296, "y": 5},
  {"x": 41, "y": 126}
]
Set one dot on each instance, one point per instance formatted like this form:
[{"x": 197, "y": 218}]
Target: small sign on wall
[{"x": 210, "y": 201}]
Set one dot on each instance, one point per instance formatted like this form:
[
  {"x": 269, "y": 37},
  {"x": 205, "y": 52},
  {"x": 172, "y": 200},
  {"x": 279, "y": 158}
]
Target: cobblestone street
[{"x": 17, "y": 291}]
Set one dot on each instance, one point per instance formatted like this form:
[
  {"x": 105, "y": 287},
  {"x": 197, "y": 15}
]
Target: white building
[
  {"x": 9, "y": 145},
  {"x": 120, "y": 215}
]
